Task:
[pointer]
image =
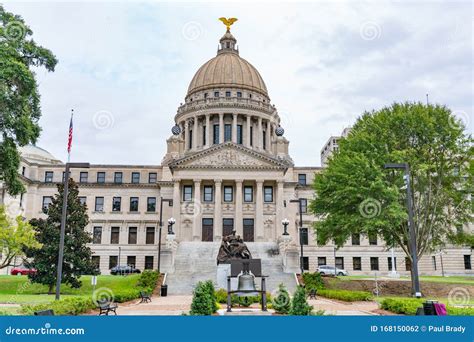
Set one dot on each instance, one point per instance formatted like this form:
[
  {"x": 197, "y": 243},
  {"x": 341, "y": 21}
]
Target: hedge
[
  {"x": 313, "y": 281},
  {"x": 346, "y": 295},
  {"x": 221, "y": 298},
  {"x": 408, "y": 306}
]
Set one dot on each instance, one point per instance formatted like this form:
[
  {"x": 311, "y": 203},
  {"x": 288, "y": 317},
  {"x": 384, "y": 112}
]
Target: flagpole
[{"x": 70, "y": 138}]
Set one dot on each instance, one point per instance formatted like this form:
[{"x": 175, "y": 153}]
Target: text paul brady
[{"x": 446, "y": 329}]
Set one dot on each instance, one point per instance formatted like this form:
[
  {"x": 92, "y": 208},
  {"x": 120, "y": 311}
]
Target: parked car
[
  {"x": 22, "y": 270},
  {"x": 120, "y": 270},
  {"x": 329, "y": 270}
]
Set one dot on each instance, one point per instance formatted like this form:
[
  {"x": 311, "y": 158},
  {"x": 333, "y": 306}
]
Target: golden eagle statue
[{"x": 228, "y": 22}]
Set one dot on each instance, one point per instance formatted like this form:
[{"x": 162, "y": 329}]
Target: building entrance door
[
  {"x": 249, "y": 230},
  {"x": 207, "y": 229},
  {"x": 227, "y": 226}
]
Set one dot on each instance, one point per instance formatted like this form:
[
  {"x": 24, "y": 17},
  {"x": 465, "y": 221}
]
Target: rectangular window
[
  {"x": 131, "y": 260},
  {"x": 305, "y": 263},
  {"x": 118, "y": 177},
  {"x": 433, "y": 260},
  {"x": 114, "y": 235},
  {"x": 207, "y": 229},
  {"x": 208, "y": 193},
  {"x": 302, "y": 179},
  {"x": 304, "y": 236},
  {"x": 83, "y": 200},
  {"x": 373, "y": 239},
  {"x": 47, "y": 200},
  {"x": 216, "y": 94},
  {"x": 190, "y": 139},
  {"x": 48, "y": 176},
  {"x": 227, "y": 132},
  {"x": 264, "y": 140},
  {"x": 132, "y": 235},
  {"x": 239, "y": 135},
  {"x": 249, "y": 229},
  {"x": 117, "y": 204},
  {"x": 148, "y": 262},
  {"x": 248, "y": 194},
  {"x": 407, "y": 264},
  {"x": 340, "y": 263},
  {"x": 374, "y": 264},
  {"x": 251, "y": 136},
  {"x": 227, "y": 94},
  {"x": 96, "y": 261},
  {"x": 83, "y": 177},
  {"x": 150, "y": 235},
  {"x": 99, "y": 204},
  {"x": 152, "y": 177},
  {"x": 355, "y": 239},
  {"x": 133, "y": 204},
  {"x": 389, "y": 260},
  {"x": 239, "y": 94},
  {"x": 321, "y": 261},
  {"x": 228, "y": 193},
  {"x": 135, "y": 177},
  {"x": 357, "y": 263},
  {"x": 113, "y": 260},
  {"x": 227, "y": 226},
  {"x": 100, "y": 177},
  {"x": 268, "y": 194},
  {"x": 467, "y": 262},
  {"x": 151, "y": 204},
  {"x": 215, "y": 134},
  {"x": 97, "y": 235},
  {"x": 204, "y": 135},
  {"x": 304, "y": 205},
  {"x": 187, "y": 193}
]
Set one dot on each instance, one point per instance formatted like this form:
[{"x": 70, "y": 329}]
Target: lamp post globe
[
  {"x": 285, "y": 222},
  {"x": 171, "y": 222}
]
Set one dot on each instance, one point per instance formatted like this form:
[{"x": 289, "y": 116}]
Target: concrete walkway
[{"x": 181, "y": 304}]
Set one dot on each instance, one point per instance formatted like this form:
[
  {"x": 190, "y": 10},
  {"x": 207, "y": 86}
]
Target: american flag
[{"x": 69, "y": 140}]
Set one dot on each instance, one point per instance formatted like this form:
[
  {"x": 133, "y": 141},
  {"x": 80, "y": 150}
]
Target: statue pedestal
[{"x": 223, "y": 271}]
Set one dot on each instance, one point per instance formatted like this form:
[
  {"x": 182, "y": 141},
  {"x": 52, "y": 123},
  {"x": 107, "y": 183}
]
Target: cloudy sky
[{"x": 125, "y": 67}]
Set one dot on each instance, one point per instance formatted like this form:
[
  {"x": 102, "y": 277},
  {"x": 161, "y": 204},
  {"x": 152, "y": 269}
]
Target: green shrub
[
  {"x": 69, "y": 306},
  {"x": 408, "y": 306},
  {"x": 455, "y": 311},
  {"x": 221, "y": 297},
  {"x": 204, "y": 302},
  {"x": 148, "y": 280},
  {"x": 282, "y": 302},
  {"x": 127, "y": 295},
  {"x": 209, "y": 286},
  {"x": 346, "y": 295},
  {"x": 299, "y": 305},
  {"x": 312, "y": 281}
]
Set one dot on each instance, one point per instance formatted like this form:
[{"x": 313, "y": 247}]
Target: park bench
[
  {"x": 312, "y": 294},
  {"x": 105, "y": 307},
  {"x": 44, "y": 313},
  {"x": 145, "y": 297}
]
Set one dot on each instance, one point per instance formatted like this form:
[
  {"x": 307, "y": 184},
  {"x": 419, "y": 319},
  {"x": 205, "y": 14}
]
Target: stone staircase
[{"x": 196, "y": 261}]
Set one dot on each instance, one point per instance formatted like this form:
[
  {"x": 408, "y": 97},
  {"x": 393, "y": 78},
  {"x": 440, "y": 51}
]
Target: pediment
[{"x": 228, "y": 156}]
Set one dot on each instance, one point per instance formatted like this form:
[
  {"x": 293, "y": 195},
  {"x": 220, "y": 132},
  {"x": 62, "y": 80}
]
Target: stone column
[
  {"x": 195, "y": 133},
  {"x": 221, "y": 128},
  {"x": 218, "y": 210},
  {"x": 259, "y": 134},
  {"x": 208, "y": 130},
  {"x": 186, "y": 135},
  {"x": 249, "y": 123},
  {"x": 238, "y": 208},
  {"x": 197, "y": 210},
  {"x": 280, "y": 214},
  {"x": 234, "y": 128},
  {"x": 259, "y": 212},
  {"x": 268, "y": 138},
  {"x": 176, "y": 209}
]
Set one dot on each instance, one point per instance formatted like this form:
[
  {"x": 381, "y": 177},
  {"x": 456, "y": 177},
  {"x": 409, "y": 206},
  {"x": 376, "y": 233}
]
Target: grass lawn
[
  {"x": 18, "y": 289},
  {"x": 435, "y": 279}
]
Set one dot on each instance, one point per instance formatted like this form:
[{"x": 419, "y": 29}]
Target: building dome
[
  {"x": 228, "y": 69},
  {"x": 38, "y": 155}
]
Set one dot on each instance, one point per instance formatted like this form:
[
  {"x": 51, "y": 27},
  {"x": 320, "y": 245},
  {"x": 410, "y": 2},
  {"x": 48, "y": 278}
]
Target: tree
[
  {"x": 14, "y": 237},
  {"x": 77, "y": 255},
  {"x": 355, "y": 194},
  {"x": 19, "y": 97},
  {"x": 282, "y": 302},
  {"x": 299, "y": 305},
  {"x": 203, "y": 301}
]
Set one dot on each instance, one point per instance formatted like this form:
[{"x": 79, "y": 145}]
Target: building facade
[{"x": 227, "y": 167}]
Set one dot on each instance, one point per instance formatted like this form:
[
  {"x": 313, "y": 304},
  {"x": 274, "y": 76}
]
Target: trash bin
[
  {"x": 429, "y": 308},
  {"x": 164, "y": 290}
]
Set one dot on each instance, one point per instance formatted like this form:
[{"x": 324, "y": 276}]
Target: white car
[{"x": 329, "y": 270}]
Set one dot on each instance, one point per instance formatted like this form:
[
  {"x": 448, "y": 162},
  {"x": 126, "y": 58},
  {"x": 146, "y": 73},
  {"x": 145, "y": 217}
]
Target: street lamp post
[
  {"x": 411, "y": 226},
  {"x": 285, "y": 222},
  {"x": 300, "y": 204},
  {"x": 170, "y": 203},
  {"x": 171, "y": 222},
  {"x": 59, "y": 274}
]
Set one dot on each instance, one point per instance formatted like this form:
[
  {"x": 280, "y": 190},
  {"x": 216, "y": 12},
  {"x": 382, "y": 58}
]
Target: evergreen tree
[
  {"x": 299, "y": 305},
  {"x": 203, "y": 303},
  {"x": 282, "y": 302},
  {"x": 77, "y": 255}
]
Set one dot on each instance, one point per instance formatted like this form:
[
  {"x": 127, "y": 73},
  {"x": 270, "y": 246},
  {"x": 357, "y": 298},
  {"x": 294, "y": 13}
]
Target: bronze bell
[{"x": 246, "y": 283}]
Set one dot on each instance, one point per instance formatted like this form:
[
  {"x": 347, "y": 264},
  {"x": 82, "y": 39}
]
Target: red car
[{"x": 22, "y": 270}]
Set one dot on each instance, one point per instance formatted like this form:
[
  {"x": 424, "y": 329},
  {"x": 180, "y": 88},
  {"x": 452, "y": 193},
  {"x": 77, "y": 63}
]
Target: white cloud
[{"x": 324, "y": 64}]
